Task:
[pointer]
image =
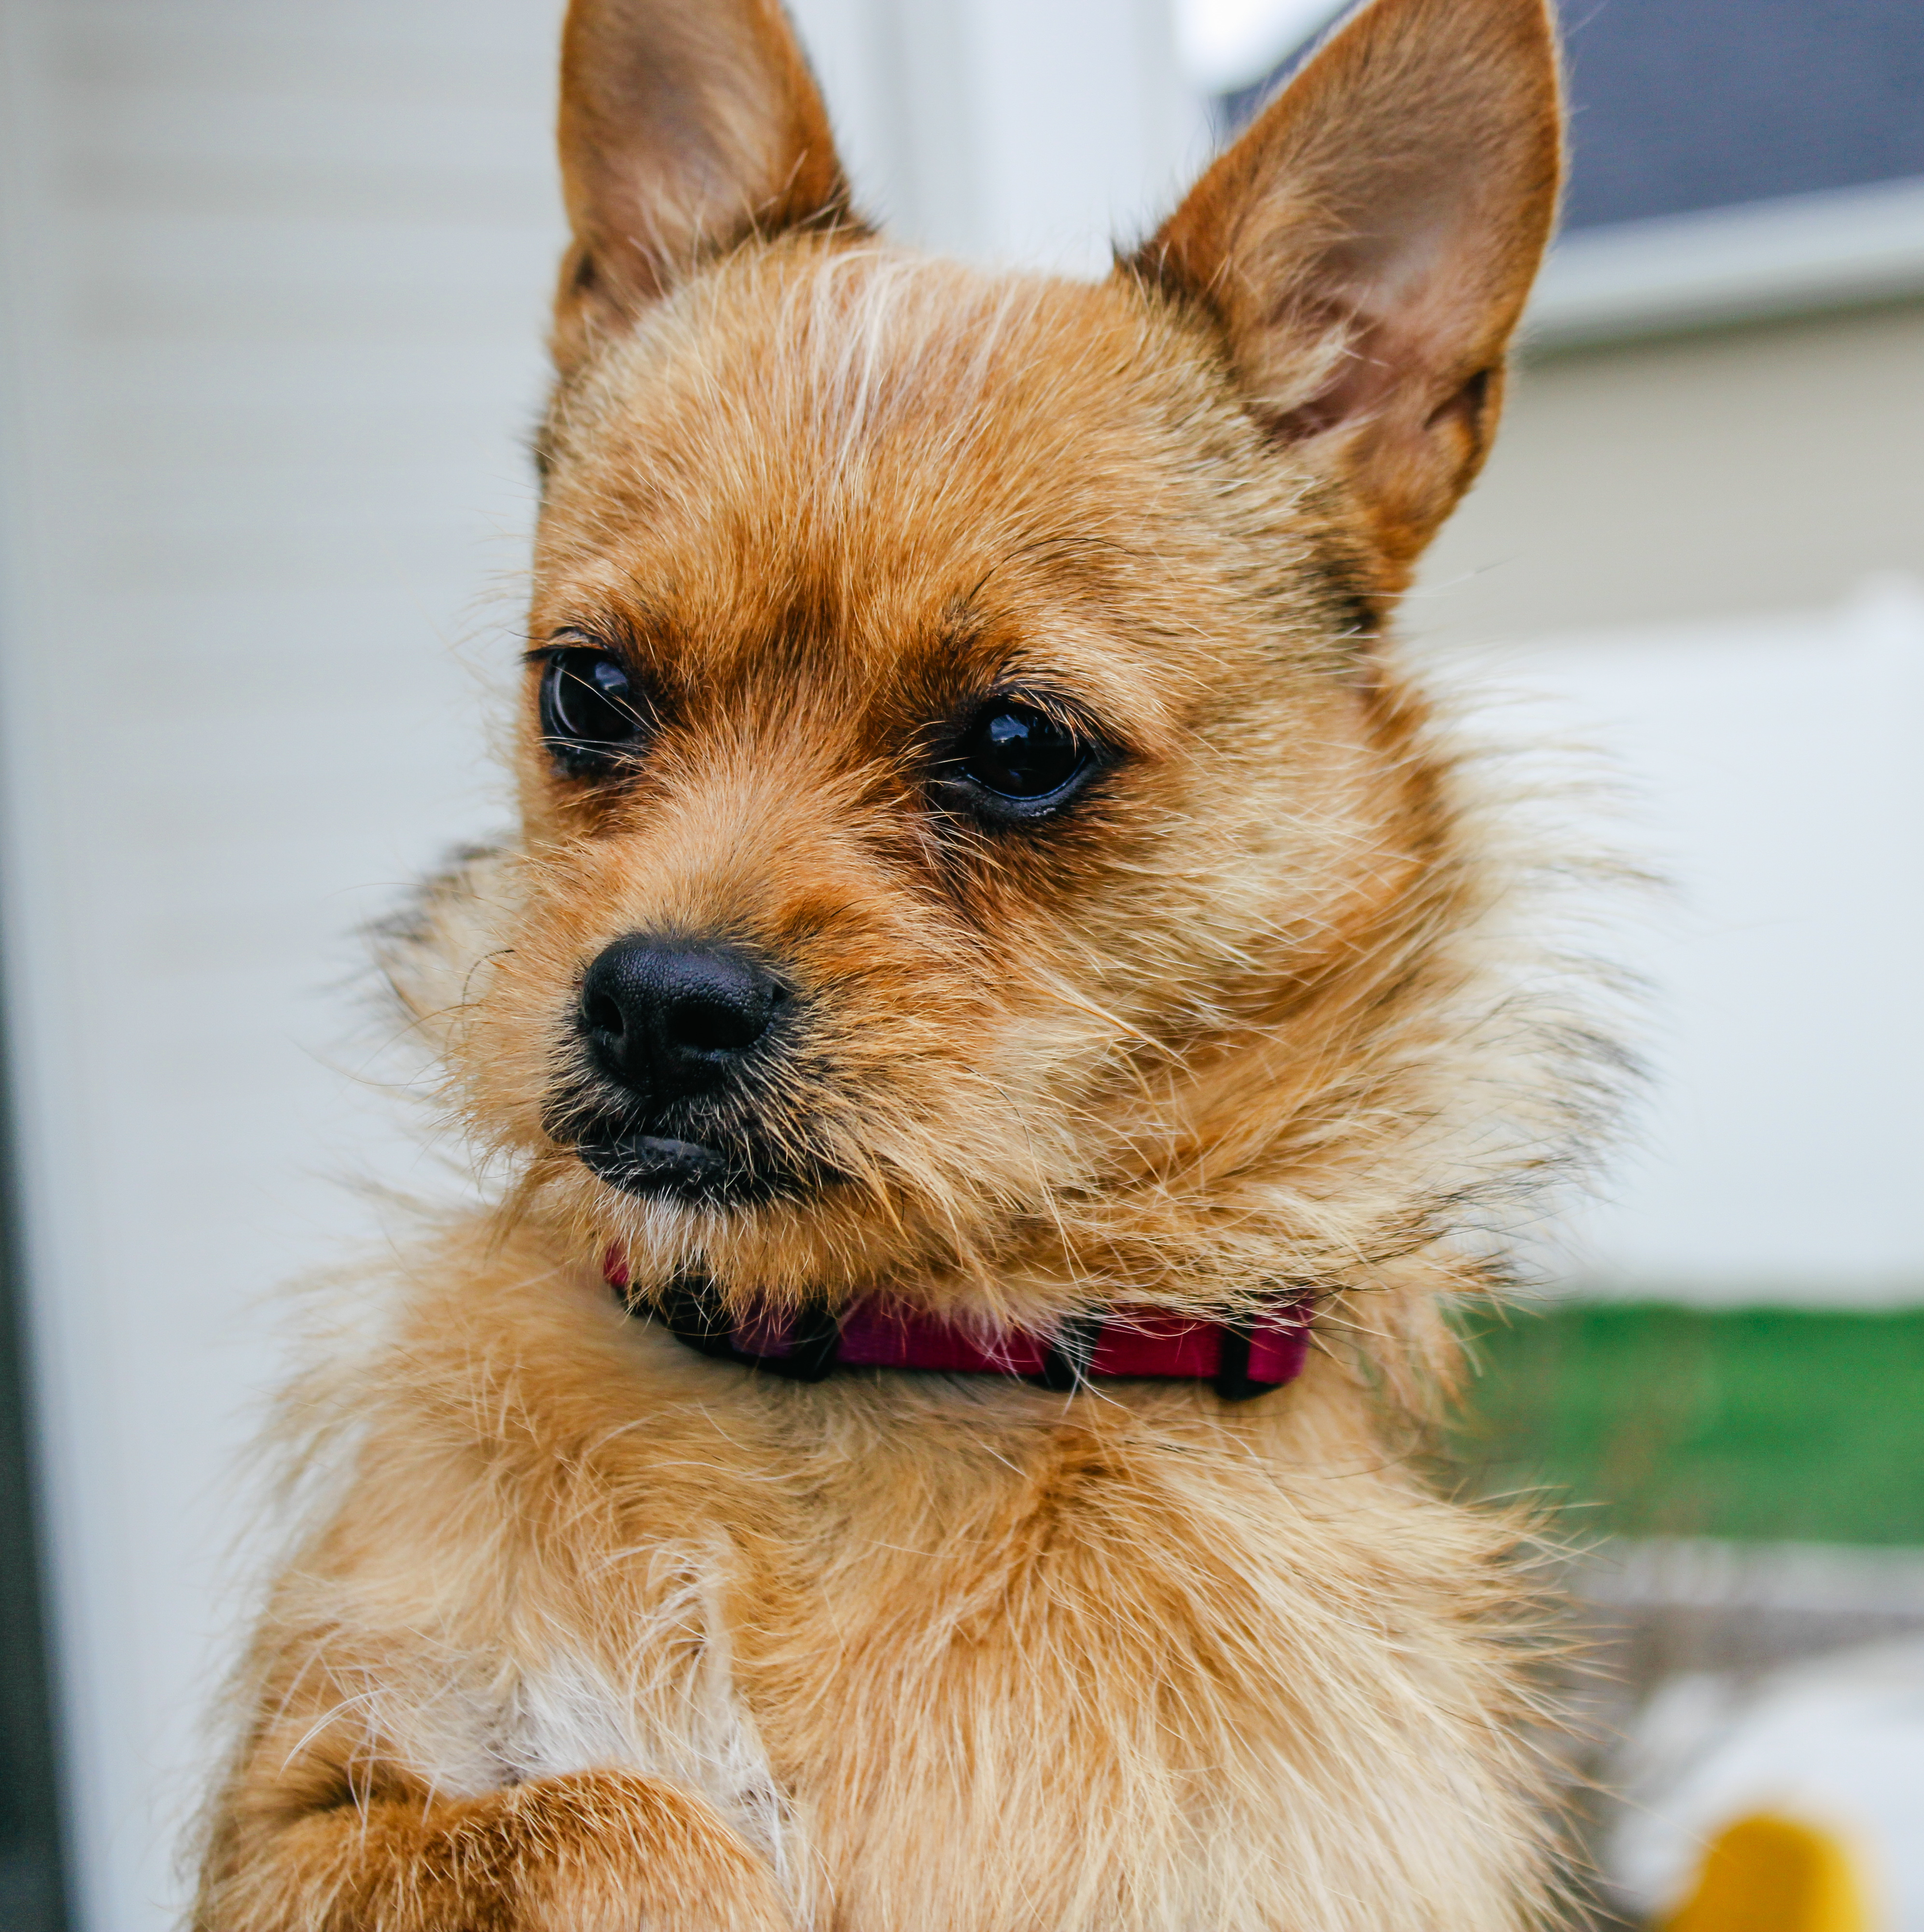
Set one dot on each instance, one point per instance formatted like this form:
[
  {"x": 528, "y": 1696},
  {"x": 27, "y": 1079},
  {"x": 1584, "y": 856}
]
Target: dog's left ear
[
  {"x": 1366, "y": 247},
  {"x": 686, "y": 126}
]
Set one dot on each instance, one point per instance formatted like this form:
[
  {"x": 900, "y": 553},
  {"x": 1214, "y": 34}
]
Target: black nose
[{"x": 668, "y": 1017}]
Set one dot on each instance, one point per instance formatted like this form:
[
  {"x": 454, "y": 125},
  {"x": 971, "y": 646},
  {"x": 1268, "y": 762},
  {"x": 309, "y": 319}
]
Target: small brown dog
[{"x": 999, "y": 966}]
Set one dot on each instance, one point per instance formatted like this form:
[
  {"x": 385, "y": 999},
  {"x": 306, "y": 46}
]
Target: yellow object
[{"x": 1770, "y": 1874}]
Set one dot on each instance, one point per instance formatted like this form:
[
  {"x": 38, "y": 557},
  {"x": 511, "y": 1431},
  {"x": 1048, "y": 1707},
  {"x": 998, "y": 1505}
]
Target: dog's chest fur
[{"x": 947, "y": 1656}]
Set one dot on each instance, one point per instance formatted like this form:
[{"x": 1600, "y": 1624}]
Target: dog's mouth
[
  {"x": 659, "y": 1166},
  {"x": 651, "y": 1164}
]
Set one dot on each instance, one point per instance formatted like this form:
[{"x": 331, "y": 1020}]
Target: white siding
[{"x": 275, "y": 278}]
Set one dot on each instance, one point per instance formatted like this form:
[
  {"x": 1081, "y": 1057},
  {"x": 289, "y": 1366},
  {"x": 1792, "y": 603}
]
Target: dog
[{"x": 1007, "y": 1021}]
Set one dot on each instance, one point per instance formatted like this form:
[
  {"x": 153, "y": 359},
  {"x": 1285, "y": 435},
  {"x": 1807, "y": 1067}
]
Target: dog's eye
[
  {"x": 590, "y": 709},
  {"x": 1021, "y": 753}
]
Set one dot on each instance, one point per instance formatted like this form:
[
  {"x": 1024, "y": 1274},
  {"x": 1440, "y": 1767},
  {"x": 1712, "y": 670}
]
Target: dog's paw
[{"x": 610, "y": 1851}]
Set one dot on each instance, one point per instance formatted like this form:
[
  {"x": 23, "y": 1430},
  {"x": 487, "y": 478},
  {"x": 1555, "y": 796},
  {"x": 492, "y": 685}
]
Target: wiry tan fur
[{"x": 591, "y": 1632}]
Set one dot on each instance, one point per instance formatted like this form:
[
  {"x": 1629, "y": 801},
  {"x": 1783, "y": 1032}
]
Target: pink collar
[{"x": 1240, "y": 1360}]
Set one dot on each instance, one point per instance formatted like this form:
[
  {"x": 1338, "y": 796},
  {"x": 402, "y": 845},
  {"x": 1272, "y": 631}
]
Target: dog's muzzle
[{"x": 681, "y": 1035}]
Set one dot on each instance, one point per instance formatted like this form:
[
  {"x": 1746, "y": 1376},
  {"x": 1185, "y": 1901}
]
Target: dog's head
[{"x": 974, "y": 838}]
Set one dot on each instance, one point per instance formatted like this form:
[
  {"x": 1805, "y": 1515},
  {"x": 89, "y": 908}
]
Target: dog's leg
[{"x": 597, "y": 1851}]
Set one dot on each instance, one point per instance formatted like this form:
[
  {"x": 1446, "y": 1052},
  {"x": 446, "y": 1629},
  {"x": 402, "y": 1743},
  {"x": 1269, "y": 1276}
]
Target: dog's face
[{"x": 962, "y": 789}]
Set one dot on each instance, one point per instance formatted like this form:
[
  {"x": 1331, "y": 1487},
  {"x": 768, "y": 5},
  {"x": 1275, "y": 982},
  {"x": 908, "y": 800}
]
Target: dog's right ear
[
  {"x": 1365, "y": 248},
  {"x": 685, "y": 125}
]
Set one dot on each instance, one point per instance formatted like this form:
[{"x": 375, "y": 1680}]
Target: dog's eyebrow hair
[
  {"x": 561, "y": 640},
  {"x": 1041, "y": 548},
  {"x": 621, "y": 632}
]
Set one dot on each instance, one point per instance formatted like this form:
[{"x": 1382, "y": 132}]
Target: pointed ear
[
  {"x": 1366, "y": 246},
  {"x": 685, "y": 125}
]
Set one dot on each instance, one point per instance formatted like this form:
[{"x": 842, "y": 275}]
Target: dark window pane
[{"x": 30, "y": 1897}]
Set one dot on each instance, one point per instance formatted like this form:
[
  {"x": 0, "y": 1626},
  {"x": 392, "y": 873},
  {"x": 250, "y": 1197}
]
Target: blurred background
[{"x": 272, "y": 282}]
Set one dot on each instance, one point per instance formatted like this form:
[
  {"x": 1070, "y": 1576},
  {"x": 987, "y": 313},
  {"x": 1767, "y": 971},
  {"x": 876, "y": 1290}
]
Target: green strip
[{"x": 1645, "y": 1419}]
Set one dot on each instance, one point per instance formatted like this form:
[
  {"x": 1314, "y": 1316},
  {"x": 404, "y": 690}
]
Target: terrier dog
[{"x": 1004, "y": 1025}]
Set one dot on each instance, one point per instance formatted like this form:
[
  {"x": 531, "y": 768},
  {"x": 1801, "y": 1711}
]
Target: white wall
[
  {"x": 270, "y": 297},
  {"x": 1768, "y": 769},
  {"x": 1025, "y": 129},
  {"x": 1703, "y": 475}
]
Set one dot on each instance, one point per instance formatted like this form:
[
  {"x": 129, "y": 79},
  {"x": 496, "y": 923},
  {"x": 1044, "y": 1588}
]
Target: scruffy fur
[{"x": 590, "y": 1633}]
